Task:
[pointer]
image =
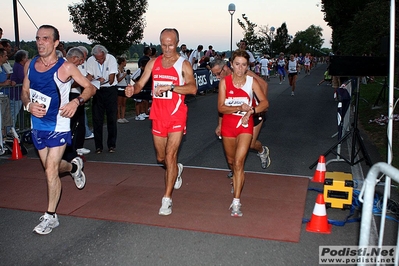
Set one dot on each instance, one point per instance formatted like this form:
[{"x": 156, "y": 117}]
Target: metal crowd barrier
[
  {"x": 205, "y": 80},
  {"x": 368, "y": 201},
  {"x": 12, "y": 114}
]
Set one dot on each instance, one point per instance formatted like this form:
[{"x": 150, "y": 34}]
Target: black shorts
[
  {"x": 258, "y": 118},
  {"x": 292, "y": 74},
  {"x": 121, "y": 91},
  {"x": 143, "y": 95}
]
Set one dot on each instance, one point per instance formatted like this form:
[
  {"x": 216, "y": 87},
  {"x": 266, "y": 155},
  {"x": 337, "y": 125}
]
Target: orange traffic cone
[
  {"x": 319, "y": 223},
  {"x": 16, "y": 150},
  {"x": 320, "y": 173}
]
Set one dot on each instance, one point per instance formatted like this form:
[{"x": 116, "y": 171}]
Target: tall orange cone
[
  {"x": 320, "y": 172},
  {"x": 319, "y": 223},
  {"x": 16, "y": 150}
]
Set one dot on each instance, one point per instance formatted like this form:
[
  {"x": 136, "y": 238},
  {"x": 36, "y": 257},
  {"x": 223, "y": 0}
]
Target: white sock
[{"x": 236, "y": 201}]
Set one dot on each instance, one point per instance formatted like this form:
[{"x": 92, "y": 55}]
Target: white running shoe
[
  {"x": 236, "y": 209},
  {"x": 292, "y": 93},
  {"x": 265, "y": 157},
  {"x": 91, "y": 136},
  {"x": 83, "y": 151},
  {"x": 144, "y": 115},
  {"x": 47, "y": 223},
  {"x": 179, "y": 180},
  {"x": 79, "y": 177},
  {"x": 125, "y": 120},
  {"x": 166, "y": 208},
  {"x": 139, "y": 118},
  {"x": 120, "y": 121}
]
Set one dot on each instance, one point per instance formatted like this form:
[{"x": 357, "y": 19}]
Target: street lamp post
[
  {"x": 232, "y": 9},
  {"x": 271, "y": 41}
]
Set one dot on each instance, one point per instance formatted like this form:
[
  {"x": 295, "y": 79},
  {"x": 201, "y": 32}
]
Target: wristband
[{"x": 27, "y": 107}]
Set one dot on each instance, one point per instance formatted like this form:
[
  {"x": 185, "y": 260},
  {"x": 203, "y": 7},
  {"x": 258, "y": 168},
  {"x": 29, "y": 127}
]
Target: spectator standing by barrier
[
  {"x": 244, "y": 47},
  {"x": 6, "y": 65},
  {"x": 45, "y": 95},
  {"x": 235, "y": 103},
  {"x": 4, "y": 100},
  {"x": 195, "y": 56},
  {"x": 18, "y": 74},
  {"x": 103, "y": 67},
  {"x": 220, "y": 69},
  {"x": 121, "y": 85},
  {"x": 77, "y": 56},
  {"x": 144, "y": 96},
  {"x": 4, "y": 76},
  {"x": 183, "y": 51},
  {"x": 143, "y": 102},
  {"x": 173, "y": 78}
]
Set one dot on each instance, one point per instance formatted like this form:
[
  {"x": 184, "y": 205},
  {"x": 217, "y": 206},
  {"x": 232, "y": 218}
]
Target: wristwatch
[
  {"x": 172, "y": 87},
  {"x": 81, "y": 100}
]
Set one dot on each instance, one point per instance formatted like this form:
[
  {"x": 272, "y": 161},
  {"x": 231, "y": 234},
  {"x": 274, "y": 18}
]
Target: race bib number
[
  {"x": 38, "y": 97},
  {"x": 236, "y": 101},
  {"x": 166, "y": 95}
]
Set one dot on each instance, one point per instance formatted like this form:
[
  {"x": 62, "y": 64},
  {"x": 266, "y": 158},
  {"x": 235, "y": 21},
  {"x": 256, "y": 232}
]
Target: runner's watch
[
  {"x": 81, "y": 100},
  {"x": 172, "y": 87}
]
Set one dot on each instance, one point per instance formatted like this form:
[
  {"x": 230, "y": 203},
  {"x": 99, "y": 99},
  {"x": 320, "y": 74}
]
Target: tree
[
  {"x": 249, "y": 32},
  {"x": 303, "y": 40},
  {"x": 282, "y": 39},
  {"x": 257, "y": 41},
  {"x": 338, "y": 14},
  {"x": 116, "y": 24},
  {"x": 364, "y": 35}
]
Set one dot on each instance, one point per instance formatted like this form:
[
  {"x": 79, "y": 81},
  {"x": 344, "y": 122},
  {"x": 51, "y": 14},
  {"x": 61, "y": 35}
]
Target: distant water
[{"x": 132, "y": 66}]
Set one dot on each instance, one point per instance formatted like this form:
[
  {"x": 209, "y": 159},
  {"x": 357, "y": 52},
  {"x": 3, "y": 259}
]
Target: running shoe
[
  {"x": 125, "y": 120},
  {"x": 144, "y": 115},
  {"x": 179, "y": 180},
  {"x": 91, "y": 136},
  {"x": 82, "y": 151},
  {"x": 79, "y": 177},
  {"x": 139, "y": 118},
  {"x": 166, "y": 208},
  {"x": 47, "y": 223},
  {"x": 236, "y": 209},
  {"x": 265, "y": 157},
  {"x": 292, "y": 93},
  {"x": 120, "y": 121},
  {"x": 230, "y": 175}
]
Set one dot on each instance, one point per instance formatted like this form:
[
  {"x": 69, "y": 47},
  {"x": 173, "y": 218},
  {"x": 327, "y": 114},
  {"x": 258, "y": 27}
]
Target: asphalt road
[{"x": 298, "y": 129}]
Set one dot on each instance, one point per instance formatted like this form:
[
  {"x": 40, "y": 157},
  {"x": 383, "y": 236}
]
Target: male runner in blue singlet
[{"x": 45, "y": 94}]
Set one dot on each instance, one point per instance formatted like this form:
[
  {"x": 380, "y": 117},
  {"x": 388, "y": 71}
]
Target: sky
[{"x": 205, "y": 22}]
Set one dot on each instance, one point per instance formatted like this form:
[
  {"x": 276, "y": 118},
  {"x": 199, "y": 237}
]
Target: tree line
[{"x": 358, "y": 27}]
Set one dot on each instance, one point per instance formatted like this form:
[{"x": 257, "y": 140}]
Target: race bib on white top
[
  {"x": 236, "y": 101},
  {"x": 166, "y": 95},
  {"x": 40, "y": 98}
]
